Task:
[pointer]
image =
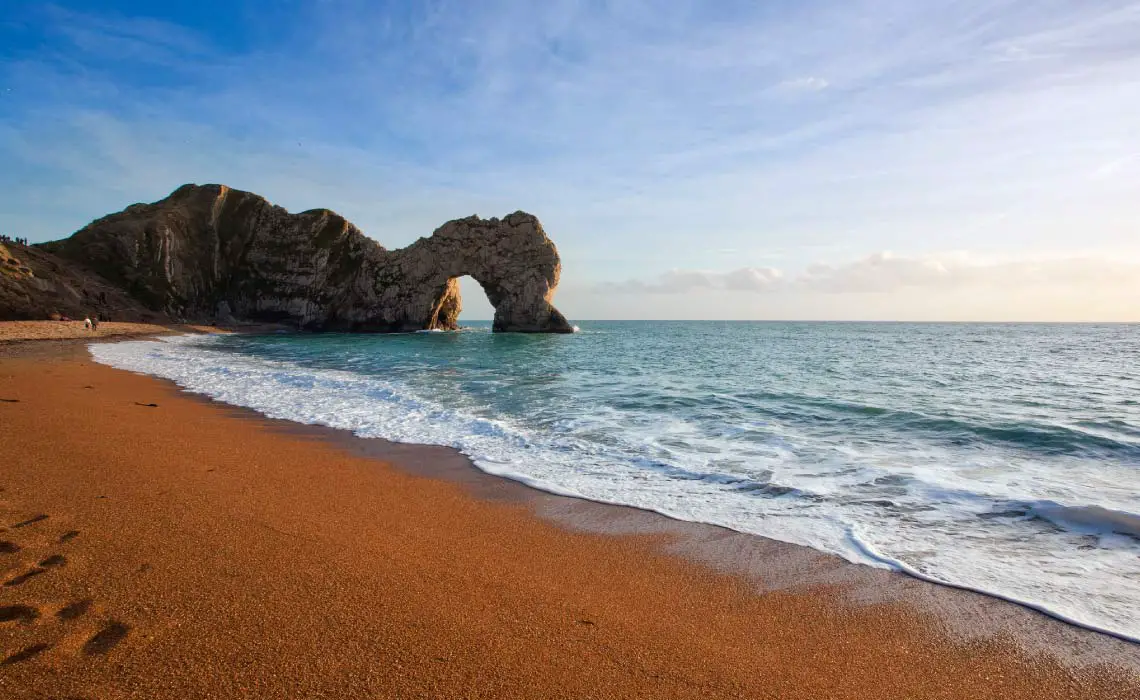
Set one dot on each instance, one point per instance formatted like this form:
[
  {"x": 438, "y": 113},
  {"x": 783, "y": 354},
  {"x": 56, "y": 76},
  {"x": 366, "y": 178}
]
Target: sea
[{"x": 1003, "y": 458}]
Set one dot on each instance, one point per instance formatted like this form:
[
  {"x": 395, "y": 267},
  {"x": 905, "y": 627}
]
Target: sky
[{"x": 818, "y": 159}]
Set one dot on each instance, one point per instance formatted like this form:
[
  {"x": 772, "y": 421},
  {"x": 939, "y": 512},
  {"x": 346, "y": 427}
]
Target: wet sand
[{"x": 158, "y": 545}]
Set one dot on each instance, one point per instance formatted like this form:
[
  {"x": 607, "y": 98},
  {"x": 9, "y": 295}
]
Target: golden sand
[
  {"x": 153, "y": 545},
  {"x": 60, "y": 330}
]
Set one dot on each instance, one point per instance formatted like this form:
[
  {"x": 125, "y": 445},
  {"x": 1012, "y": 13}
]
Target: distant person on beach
[
  {"x": 95, "y": 322},
  {"x": 87, "y": 324}
]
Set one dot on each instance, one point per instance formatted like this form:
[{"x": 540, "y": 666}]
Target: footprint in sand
[
  {"x": 106, "y": 639},
  {"x": 53, "y": 562},
  {"x": 25, "y": 654},
  {"x": 109, "y": 636},
  {"x": 25, "y": 577},
  {"x": 23, "y": 614},
  {"x": 31, "y": 521},
  {"x": 73, "y": 611}
]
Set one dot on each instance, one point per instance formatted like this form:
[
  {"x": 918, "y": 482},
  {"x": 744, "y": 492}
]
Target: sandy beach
[
  {"x": 157, "y": 545},
  {"x": 20, "y": 331},
  {"x": 69, "y": 331}
]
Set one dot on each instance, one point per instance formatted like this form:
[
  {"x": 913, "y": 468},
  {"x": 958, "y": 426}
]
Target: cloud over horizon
[{"x": 884, "y": 272}]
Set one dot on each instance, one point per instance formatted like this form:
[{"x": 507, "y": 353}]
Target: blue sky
[{"x": 950, "y": 159}]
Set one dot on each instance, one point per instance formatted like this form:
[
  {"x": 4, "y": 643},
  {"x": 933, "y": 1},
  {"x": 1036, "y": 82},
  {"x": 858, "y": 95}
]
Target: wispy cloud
[
  {"x": 809, "y": 83},
  {"x": 128, "y": 38},
  {"x": 745, "y": 279},
  {"x": 646, "y": 135},
  {"x": 886, "y": 273}
]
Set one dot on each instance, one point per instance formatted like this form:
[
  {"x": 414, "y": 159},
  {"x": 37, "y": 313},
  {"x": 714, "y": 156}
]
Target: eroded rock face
[
  {"x": 512, "y": 259},
  {"x": 209, "y": 250},
  {"x": 36, "y": 285}
]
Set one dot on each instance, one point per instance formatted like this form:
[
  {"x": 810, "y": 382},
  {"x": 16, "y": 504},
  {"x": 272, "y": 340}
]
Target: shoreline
[
  {"x": 1041, "y": 631},
  {"x": 1031, "y": 633},
  {"x": 719, "y": 574},
  {"x": 610, "y": 518}
]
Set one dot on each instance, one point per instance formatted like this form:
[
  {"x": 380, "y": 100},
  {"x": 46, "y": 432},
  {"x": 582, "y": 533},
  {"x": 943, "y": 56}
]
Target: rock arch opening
[
  {"x": 466, "y": 295},
  {"x": 476, "y": 307},
  {"x": 510, "y": 259}
]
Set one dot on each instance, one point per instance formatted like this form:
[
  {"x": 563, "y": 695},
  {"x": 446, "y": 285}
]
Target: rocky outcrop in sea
[{"x": 210, "y": 252}]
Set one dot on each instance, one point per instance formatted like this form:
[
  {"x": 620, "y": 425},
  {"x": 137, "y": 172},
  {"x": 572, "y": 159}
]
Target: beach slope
[{"x": 157, "y": 545}]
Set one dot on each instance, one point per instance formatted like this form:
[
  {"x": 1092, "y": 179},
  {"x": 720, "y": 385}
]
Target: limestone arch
[
  {"x": 512, "y": 259},
  {"x": 212, "y": 252}
]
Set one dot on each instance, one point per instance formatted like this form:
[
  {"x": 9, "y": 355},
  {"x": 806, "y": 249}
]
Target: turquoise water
[{"x": 1000, "y": 457}]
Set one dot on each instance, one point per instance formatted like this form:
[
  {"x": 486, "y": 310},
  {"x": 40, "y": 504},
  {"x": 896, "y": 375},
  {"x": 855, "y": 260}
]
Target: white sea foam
[
  {"x": 1091, "y": 520},
  {"x": 664, "y": 466}
]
